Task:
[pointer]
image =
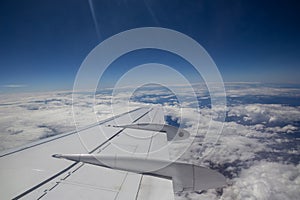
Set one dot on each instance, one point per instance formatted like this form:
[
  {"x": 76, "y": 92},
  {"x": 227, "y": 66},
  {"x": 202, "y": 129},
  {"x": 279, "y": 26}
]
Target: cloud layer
[{"x": 258, "y": 150}]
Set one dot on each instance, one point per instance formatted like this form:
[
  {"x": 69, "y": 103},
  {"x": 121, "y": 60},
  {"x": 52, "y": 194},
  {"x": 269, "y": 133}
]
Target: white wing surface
[{"x": 31, "y": 172}]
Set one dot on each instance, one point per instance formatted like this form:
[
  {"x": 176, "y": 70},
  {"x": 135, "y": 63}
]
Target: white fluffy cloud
[
  {"x": 266, "y": 113},
  {"x": 275, "y": 118},
  {"x": 266, "y": 180}
]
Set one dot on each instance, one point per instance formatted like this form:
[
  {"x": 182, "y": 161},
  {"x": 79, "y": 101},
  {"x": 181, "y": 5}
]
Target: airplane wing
[{"x": 34, "y": 172}]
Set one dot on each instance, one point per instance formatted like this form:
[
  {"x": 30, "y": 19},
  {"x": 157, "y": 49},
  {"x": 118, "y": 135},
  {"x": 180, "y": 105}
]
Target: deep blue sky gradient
[{"x": 43, "y": 42}]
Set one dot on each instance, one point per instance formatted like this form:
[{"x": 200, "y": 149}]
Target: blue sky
[{"x": 44, "y": 42}]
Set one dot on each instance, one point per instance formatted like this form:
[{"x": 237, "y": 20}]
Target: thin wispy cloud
[
  {"x": 95, "y": 19},
  {"x": 14, "y": 86}
]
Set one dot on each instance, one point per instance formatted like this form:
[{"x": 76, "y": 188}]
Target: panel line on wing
[
  {"x": 126, "y": 175},
  {"x": 112, "y": 137},
  {"x": 108, "y": 144},
  {"x": 75, "y": 163},
  {"x": 87, "y": 185}
]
